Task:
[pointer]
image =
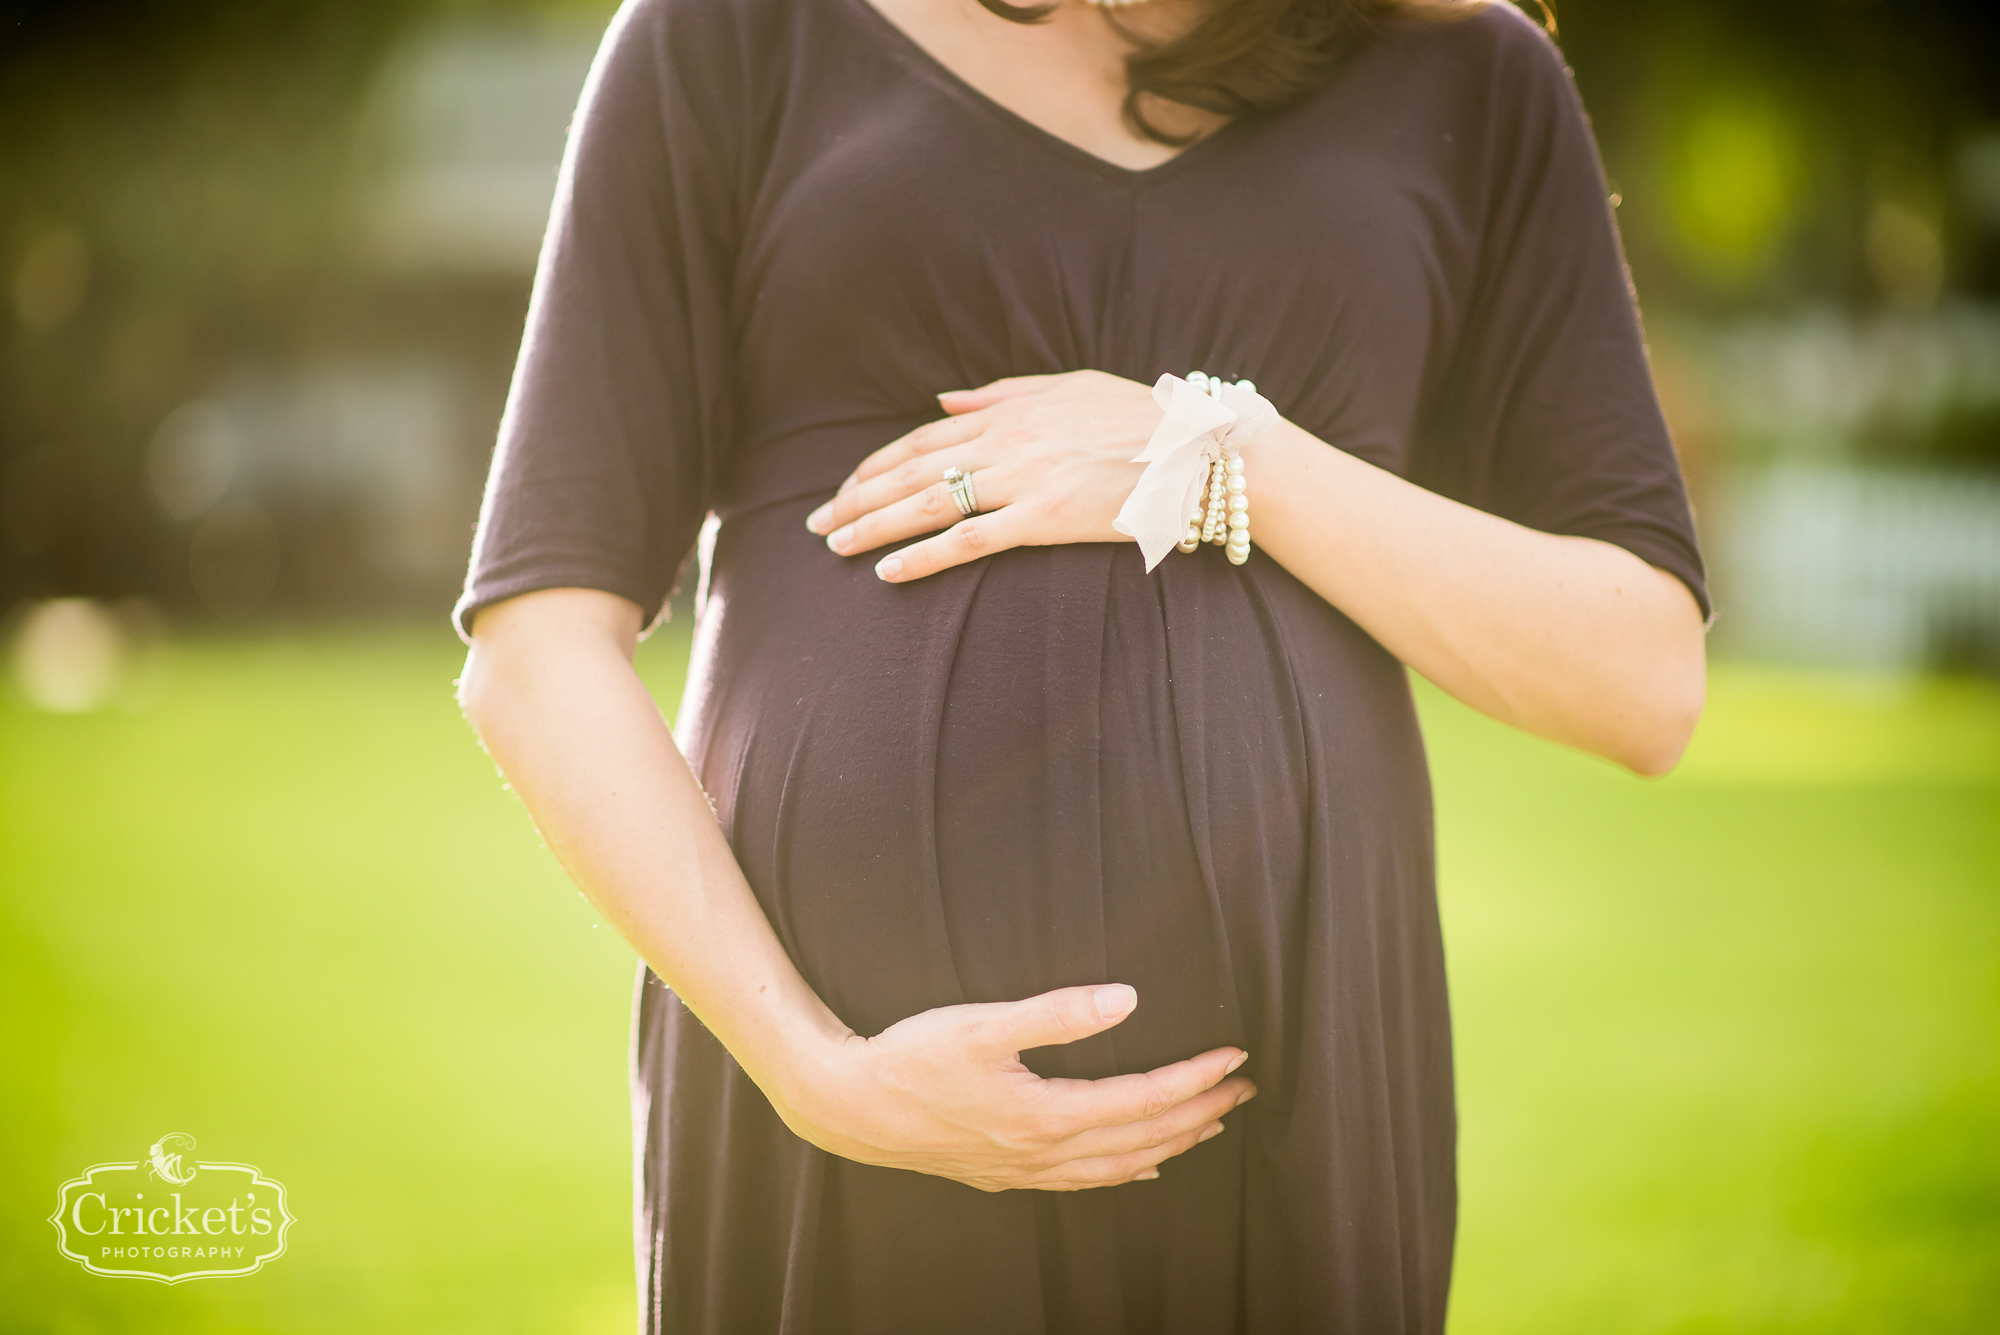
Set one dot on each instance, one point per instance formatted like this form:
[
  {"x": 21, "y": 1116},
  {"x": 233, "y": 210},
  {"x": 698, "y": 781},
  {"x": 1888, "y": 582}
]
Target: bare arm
[
  {"x": 549, "y": 686},
  {"x": 1572, "y": 639}
]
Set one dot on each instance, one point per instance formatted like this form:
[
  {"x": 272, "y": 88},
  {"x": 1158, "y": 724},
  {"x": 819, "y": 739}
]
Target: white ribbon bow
[{"x": 1188, "y": 439}]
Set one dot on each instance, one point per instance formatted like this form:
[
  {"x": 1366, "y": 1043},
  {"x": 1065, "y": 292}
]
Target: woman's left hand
[{"x": 1051, "y": 462}]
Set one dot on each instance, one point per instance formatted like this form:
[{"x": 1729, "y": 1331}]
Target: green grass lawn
[{"x": 1729, "y": 1044}]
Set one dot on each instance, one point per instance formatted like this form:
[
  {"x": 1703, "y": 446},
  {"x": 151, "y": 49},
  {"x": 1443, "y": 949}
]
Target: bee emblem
[{"x": 167, "y": 1162}]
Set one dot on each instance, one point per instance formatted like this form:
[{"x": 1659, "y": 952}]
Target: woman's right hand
[{"x": 945, "y": 1092}]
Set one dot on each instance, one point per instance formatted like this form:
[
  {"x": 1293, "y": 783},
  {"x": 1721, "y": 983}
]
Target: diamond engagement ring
[{"x": 959, "y": 483}]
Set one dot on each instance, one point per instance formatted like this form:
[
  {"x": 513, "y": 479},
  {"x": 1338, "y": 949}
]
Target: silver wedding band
[{"x": 959, "y": 483}]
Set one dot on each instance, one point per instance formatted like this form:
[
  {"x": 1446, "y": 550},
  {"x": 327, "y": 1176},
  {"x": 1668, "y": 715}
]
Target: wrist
[
  {"x": 1291, "y": 471},
  {"x": 1266, "y": 454},
  {"x": 810, "y": 1054}
]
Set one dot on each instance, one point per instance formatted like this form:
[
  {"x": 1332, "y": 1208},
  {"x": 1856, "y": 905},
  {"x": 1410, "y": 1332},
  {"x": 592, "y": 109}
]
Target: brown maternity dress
[{"x": 782, "y": 229}]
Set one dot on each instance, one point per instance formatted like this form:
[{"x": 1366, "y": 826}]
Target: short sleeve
[
  {"x": 622, "y": 404},
  {"x": 1548, "y": 415}
]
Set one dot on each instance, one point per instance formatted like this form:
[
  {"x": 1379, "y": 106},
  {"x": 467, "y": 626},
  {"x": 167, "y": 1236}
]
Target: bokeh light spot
[
  {"x": 192, "y": 459},
  {"x": 52, "y": 280},
  {"x": 1976, "y": 166},
  {"x": 1905, "y": 253},
  {"x": 1736, "y": 180},
  {"x": 69, "y": 655}
]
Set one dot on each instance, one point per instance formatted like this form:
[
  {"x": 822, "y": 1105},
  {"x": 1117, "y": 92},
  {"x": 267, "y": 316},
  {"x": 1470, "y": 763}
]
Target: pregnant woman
[{"x": 1040, "y": 931}]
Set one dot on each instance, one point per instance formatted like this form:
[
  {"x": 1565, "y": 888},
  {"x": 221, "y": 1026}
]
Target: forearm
[
  {"x": 550, "y": 688},
  {"x": 1570, "y": 638}
]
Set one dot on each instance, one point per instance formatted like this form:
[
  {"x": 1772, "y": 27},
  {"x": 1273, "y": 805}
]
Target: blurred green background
[{"x": 1727, "y": 1042}]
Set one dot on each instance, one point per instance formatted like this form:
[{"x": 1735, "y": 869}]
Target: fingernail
[
  {"x": 848, "y": 485},
  {"x": 1246, "y": 1096},
  {"x": 820, "y": 518},
  {"x": 889, "y": 567},
  {"x": 1115, "y": 1000},
  {"x": 1150, "y": 1175},
  {"x": 839, "y": 539},
  {"x": 1211, "y": 1133},
  {"x": 1241, "y": 1057}
]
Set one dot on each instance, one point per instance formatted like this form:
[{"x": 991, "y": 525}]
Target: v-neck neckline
[{"x": 955, "y": 83}]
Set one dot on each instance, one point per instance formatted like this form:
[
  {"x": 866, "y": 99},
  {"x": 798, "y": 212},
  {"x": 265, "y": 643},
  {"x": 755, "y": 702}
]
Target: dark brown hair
[{"x": 1249, "y": 55}]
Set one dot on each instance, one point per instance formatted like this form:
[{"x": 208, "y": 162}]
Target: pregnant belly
[{"x": 1047, "y": 768}]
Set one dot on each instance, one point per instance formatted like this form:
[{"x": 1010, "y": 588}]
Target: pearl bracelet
[{"x": 1222, "y": 515}]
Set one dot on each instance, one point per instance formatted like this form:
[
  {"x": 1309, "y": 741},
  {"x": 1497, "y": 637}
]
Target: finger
[
  {"x": 908, "y": 481},
  {"x": 967, "y": 540},
  {"x": 1191, "y": 1114},
  {"x": 929, "y": 511},
  {"x": 1112, "y": 1170},
  {"x": 1122, "y": 1099},
  {"x": 985, "y": 396},
  {"x": 1008, "y": 1028},
  {"x": 926, "y": 439}
]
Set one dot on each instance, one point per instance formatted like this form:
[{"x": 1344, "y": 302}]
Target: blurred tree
[
  {"x": 180, "y": 187},
  {"x": 171, "y": 189},
  {"x": 1791, "y": 149}
]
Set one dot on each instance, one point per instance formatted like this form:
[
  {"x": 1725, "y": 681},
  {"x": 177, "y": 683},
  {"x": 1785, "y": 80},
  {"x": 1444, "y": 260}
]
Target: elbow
[
  {"x": 1665, "y": 724},
  {"x": 1655, "y": 758},
  {"x": 527, "y": 647},
  {"x": 1669, "y": 684},
  {"x": 478, "y": 690},
  {"x": 491, "y": 678}
]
